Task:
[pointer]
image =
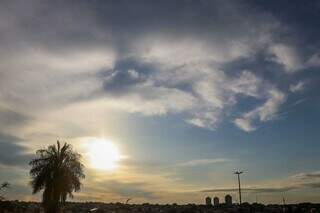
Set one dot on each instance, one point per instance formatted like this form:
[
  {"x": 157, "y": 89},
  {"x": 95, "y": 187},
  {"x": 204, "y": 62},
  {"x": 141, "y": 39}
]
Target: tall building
[
  {"x": 228, "y": 200},
  {"x": 216, "y": 201},
  {"x": 208, "y": 201}
]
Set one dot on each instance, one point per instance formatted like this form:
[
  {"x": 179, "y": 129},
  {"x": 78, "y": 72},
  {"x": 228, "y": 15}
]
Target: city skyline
[{"x": 165, "y": 100}]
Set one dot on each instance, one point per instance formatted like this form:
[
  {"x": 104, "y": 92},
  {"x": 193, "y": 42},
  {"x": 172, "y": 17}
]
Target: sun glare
[{"x": 103, "y": 154}]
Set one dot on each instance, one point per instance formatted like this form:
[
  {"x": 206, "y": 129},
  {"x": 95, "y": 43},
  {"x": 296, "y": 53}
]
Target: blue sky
[{"x": 188, "y": 91}]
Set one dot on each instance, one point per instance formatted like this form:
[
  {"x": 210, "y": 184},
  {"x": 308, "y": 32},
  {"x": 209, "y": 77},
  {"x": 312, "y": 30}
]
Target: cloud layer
[
  {"x": 146, "y": 69},
  {"x": 300, "y": 181}
]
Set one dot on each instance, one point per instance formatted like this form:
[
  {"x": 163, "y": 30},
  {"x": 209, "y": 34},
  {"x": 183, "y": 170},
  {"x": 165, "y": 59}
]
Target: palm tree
[{"x": 57, "y": 171}]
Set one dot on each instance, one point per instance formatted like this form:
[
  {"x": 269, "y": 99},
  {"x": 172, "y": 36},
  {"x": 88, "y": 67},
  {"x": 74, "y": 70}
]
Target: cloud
[
  {"x": 152, "y": 68},
  {"x": 269, "y": 109},
  {"x": 149, "y": 100},
  {"x": 11, "y": 153},
  {"x": 286, "y": 56},
  {"x": 307, "y": 176},
  {"x": 313, "y": 185},
  {"x": 246, "y": 84},
  {"x": 297, "y": 87},
  {"x": 199, "y": 162},
  {"x": 314, "y": 60},
  {"x": 266, "y": 112},
  {"x": 130, "y": 189},
  {"x": 122, "y": 80},
  {"x": 300, "y": 181},
  {"x": 218, "y": 91},
  {"x": 292, "y": 57},
  {"x": 125, "y": 189},
  {"x": 9, "y": 117},
  {"x": 45, "y": 78},
  {"x": 245, "y": 124},
  {"x": 202, "y": 95},
  {"x": 309, "y": 180},
  {"x": 254, "y": 189}
]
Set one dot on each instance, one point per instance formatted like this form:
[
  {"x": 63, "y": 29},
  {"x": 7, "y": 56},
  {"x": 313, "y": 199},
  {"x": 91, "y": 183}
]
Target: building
[
  {"x": 208, "y": 201},
  {"x": 216, "y": 201},
  {"x": 228, "y": 200}
]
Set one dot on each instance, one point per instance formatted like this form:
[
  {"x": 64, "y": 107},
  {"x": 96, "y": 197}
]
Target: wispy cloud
[
  {"x": 300, "y": 181},
  {"x": 286, "y": 56},
  {"x": 11, "y": 153},
  {"x": 253, "y": 189},
  {"x": 298, "y": 86},
  {"x": 266, "y": 112},
  {"x": 314, "y": 60},
  {"x": 126, "y": 189},
  {"x": 199, "y": 162},
  {"x": 307, "y": 176}
]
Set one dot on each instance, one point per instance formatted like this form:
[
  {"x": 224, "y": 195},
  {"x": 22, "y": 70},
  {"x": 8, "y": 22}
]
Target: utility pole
[
  {"x": 284, "y": 204},
  {"x": 238, "y": 173}
]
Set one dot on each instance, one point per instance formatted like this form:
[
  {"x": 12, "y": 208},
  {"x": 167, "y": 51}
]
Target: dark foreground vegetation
[{"x": 32, "y": 207}]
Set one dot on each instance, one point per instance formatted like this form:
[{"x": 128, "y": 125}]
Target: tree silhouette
[{"x": 58, "y": 172}]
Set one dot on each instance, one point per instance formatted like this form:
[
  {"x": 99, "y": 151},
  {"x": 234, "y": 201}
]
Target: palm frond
[{"x": 57, "y": 170}]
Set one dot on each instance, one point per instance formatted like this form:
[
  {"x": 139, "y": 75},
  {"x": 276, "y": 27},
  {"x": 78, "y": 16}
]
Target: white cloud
[
  {"x": 291, "y": 59},
  {"x": 205, "y": 118},
  {"x": 247, "y": 84},
  {"x": 219, "y": 91},
  {"x": 210, "y": 88},
  {"x": 211, "y": 92},
  {"x": 297, "y": 87},
  {"x": 44, "y": 78},
  {"x": 189, "y": 50},
  {"x": 265, "y": 112},
  {"x": 286, "y": 56},
  {"x": 76, "y": 61},
  {"x": 149, "y": 100},
  {"x": 307, "y": 176},
  {"x": 269, "y": 109},
  {"x": 133, "y": 74},
  {"x": 244, "y": 124},
  {"x": 199, "y": 162},
  {"x": 314, "y": 61}
]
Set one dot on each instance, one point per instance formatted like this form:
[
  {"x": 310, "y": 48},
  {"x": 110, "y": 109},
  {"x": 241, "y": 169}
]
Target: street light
[{"x": 238, "y": 173}]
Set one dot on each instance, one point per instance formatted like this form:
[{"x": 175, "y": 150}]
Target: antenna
[{"x": 238, "y": 173}]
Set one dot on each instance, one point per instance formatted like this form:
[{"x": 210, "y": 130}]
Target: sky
[{"x": 187, "y": 91}]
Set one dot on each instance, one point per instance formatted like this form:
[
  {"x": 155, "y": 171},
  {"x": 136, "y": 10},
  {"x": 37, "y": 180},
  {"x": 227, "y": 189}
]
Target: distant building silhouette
[
  {"x": 216, "y": 201},
  {"x": 208, "y": 201},
  {"x": 228, "y": 200}
]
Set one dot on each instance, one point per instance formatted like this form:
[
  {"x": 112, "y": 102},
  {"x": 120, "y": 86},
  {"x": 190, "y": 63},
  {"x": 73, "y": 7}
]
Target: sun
[{"x": 103, "y": 154}]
